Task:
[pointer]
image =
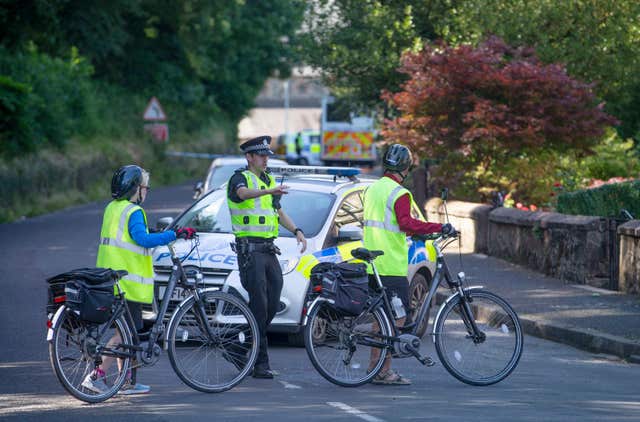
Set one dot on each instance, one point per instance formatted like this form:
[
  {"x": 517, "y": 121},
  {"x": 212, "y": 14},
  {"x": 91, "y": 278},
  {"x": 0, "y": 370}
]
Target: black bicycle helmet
[
  {"x": 125, "y": 181},
  {"x": 397, "y": 158}
]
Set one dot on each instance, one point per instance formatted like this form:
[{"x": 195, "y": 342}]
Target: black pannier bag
[
  {"x": 88, "y": 291},
  {"x": 347, "y": 284}
]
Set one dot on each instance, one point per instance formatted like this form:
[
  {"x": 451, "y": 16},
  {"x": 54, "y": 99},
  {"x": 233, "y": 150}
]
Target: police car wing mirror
[
  {"x": 349, "y": 233},
  {"x": 197, "y": 190},
  {"x": 164, "y": 222}
]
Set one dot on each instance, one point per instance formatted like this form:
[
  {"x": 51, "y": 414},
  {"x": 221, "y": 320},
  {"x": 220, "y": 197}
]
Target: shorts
[
  {"x": 135, "y": 308},
  {"x": 394, "y": 284}
]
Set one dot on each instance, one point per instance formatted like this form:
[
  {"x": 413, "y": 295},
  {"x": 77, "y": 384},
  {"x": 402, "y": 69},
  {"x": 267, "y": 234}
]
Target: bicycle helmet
[
  {"x": 397, "y": 158},
  {"x": 125, "y": 181}
]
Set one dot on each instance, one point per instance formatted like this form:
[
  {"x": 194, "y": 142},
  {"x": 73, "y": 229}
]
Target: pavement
[{"x": 598, "y": 320}]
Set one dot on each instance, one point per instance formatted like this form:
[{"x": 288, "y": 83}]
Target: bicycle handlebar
[{"x": 435, "y": 236}]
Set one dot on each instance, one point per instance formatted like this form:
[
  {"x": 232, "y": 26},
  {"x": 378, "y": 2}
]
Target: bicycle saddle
[{"x": 365, "y": 254}]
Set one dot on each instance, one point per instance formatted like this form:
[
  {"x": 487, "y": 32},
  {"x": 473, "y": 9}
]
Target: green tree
[
  {"x": 357, "y": 44},
  {"x": 597, "y": 40}
]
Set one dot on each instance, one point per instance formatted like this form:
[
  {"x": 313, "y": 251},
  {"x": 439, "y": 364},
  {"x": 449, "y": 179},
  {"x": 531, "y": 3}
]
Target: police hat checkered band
[{"x": 263, "y": 147}]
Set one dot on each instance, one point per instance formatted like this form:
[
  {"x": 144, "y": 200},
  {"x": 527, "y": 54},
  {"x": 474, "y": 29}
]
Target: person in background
[{"x": 299, "y": 145}]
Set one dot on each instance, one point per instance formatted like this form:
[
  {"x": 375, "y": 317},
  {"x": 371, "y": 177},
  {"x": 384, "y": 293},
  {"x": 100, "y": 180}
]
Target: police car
[
  {"x": 326, "y": 203},
  {"x": 221, "y": 169}
]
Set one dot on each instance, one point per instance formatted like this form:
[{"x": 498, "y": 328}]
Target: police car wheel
[{"x": 418, "y": 291}]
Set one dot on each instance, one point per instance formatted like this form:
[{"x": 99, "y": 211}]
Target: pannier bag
[
  {"x": 88, "y": 291},
  {"x": 347, "y": 284}
]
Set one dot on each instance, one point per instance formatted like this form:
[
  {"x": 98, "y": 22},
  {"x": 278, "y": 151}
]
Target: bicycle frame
[
  {"x": 178, "y": 276},
  {"x": 441, "y": 274}
]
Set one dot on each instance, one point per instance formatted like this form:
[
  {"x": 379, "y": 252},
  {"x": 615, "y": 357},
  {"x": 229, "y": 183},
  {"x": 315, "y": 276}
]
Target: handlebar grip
[{"x": 425, "y": 237}]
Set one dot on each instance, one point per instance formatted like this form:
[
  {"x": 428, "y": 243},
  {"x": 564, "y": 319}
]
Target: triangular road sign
[{"x": 154, "y": 111}]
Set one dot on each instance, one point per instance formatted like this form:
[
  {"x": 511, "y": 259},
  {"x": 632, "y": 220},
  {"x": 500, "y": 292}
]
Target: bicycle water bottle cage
[{"x": 365, "y": 254}]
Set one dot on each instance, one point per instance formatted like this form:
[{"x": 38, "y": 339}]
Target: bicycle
[
  {"x": 477, "y": 335},
  {"x": 206, "y": 325}
]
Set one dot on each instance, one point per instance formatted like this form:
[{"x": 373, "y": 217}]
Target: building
[{"x": 286, "y": 106}]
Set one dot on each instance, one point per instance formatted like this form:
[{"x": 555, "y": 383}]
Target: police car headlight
[{"x": 288, "y": 265}]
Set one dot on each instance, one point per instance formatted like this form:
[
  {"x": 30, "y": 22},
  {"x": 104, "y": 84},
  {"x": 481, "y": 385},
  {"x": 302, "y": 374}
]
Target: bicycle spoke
[
  {"x": 209, "y": 357},
  {"x": 341, "y": 356},
  {"x": 488, "y": 355},
  {"x": 73, "y": 355}
]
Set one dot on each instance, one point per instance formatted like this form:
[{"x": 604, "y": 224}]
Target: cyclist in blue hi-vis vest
[
  {"x": 125, "y": 244},
  {"x": 254, "y": 205}
]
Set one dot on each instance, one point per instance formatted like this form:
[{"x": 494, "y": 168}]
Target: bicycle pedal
[{"x": 427, "y": 361}]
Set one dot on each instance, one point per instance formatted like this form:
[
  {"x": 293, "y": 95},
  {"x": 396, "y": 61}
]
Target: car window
[
  {"x": 221, "y": 175},
  {"x": 209, "y": 215},
  {"x": 308, "y": 210},
  {"x": 351, "y": 212}
]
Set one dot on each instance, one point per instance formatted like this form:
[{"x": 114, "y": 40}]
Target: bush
[
  {"x": 605, "y": 201},
  {"x": 44, "y": 101}
]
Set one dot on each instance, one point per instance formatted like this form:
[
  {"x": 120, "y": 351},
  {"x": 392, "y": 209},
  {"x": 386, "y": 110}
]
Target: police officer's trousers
[{"x": 262, "y": 279}]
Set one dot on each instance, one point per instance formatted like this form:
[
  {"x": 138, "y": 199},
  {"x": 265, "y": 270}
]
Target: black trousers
[{"x": 262, "y": 279}]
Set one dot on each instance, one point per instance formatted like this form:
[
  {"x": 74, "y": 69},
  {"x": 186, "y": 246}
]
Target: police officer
[
  {"x": 387, "y": 222},
  {"x": 125, "y": 244},
  {"x": 254, "y": 205}
]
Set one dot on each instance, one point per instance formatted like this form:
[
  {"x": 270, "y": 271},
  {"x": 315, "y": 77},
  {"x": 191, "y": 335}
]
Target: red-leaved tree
[{"x": 479, "y": 109}]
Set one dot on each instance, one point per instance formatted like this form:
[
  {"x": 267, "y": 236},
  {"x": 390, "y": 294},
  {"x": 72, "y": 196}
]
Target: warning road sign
[{"x": 154, "y": 111}]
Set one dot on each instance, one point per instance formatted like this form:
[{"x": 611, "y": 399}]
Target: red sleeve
[{"x": 407, "y": 223}]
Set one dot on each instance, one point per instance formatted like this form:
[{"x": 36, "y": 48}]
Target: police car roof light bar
[{"x": 348, "y": 172}]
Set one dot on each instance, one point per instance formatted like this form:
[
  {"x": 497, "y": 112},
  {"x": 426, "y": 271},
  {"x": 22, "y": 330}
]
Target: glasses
[{"x": 145, "y": 187}]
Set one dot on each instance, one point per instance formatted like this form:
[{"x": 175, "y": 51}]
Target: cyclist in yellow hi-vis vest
[
  {"x": 254, "y": 205},
  {"x": 125, "y": 244},
  {"x": 387, "y": 222}
]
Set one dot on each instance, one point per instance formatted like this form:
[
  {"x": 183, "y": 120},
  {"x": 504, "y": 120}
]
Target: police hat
[{"x": 259, "y": 145}]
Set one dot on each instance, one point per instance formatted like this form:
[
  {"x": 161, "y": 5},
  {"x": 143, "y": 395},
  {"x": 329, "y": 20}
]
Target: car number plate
[{"x": 178, "y": 293}]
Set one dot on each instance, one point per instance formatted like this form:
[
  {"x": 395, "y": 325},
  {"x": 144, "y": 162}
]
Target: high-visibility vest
[
  {"x": 381, "y": 230},
  {"x": 255, "y": 217},
  {"x": 119, "y": 251}
]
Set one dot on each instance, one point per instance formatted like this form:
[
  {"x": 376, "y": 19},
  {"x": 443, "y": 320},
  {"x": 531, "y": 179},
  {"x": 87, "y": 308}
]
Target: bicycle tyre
[
  {"x": 71, "y": 342},
  {"x": 338, "y": 329},
  {"x": 484, "y": 362},
  {"x": 227, "y": 358}
]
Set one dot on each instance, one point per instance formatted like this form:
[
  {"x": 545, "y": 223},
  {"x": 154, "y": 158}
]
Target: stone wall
[
  {"x": 629, "y": 272},
  {"x": 571, "y": 248},
  {"x": 471, "y": 219}
]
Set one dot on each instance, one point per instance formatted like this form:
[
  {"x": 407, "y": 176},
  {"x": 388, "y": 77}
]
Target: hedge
[{"x": 605, "y": 201}]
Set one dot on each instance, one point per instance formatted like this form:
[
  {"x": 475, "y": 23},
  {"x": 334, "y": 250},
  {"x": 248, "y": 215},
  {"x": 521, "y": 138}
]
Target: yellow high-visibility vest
[
  {"x": 381, "y": 230},
  {"x": 119, "y": 251},
  {"x": 255, "y": 217}
]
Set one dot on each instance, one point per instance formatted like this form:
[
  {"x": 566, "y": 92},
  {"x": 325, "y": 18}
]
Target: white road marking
[
  {"x": 287, "y": 385},
  {"x": 353, "y": 411}
]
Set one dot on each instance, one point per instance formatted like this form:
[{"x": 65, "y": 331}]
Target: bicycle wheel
[
  {"x": 490, "y": 357},
  {"x": 215, "y": 354},
  {"x": 72, "y": 352},
  {"x": 342, "y": 354}
]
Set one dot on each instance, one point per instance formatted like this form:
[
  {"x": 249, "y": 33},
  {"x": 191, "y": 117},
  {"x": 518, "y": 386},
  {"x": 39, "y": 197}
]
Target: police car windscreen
[
  {"x": 309, "y": 210},
  {"x": 221, "y": 175}
]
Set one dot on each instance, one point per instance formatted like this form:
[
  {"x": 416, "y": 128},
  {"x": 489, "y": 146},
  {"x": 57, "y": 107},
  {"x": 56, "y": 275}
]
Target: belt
[{"x": 254, "y": 241}]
